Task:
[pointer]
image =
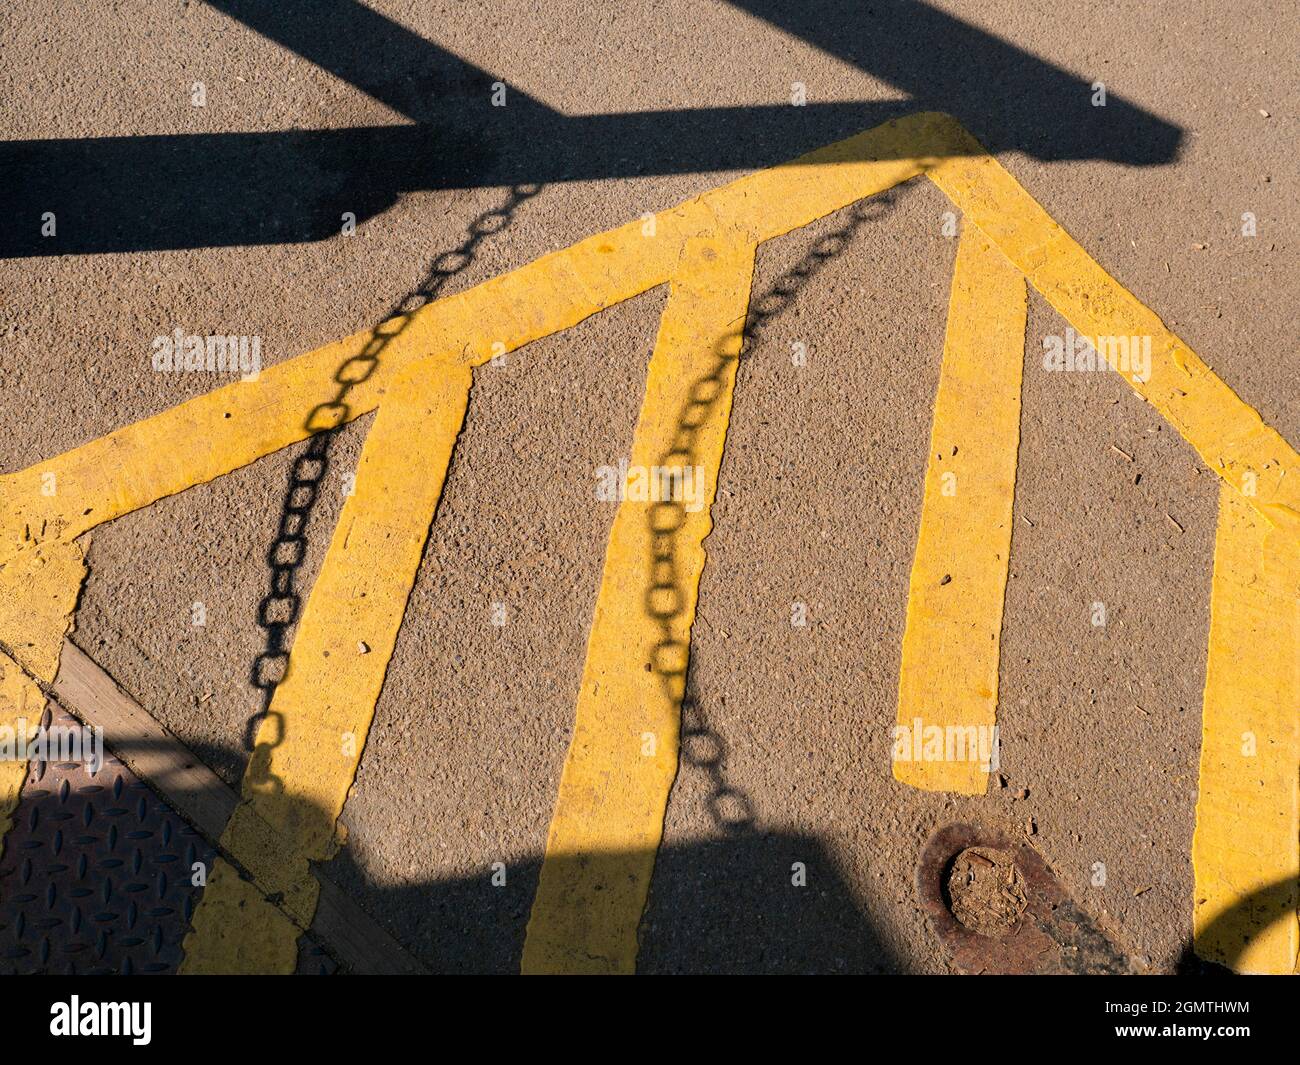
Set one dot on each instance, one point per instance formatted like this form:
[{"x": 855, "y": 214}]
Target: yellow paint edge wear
[
  {"x": 1246, "y": 847},
  {"x": 609, "y": 813},
  {"x": 310, "y": 744},
  {"x": 948, "y": 678},
  {"x": 38, "y": 592}
]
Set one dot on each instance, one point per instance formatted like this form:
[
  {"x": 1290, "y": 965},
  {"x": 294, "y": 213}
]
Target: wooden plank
[{"x": 148, "y": 749}]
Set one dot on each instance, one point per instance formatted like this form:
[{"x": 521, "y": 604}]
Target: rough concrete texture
[{"x": 821, "y": 482}]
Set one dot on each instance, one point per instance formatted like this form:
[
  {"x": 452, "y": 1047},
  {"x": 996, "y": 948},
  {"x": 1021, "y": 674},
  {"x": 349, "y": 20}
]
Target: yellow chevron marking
[
  {"x": 213, "y": 434},
  {"x": 609, "y": 814}
]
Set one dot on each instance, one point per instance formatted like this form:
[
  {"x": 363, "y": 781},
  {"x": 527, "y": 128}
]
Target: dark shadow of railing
[{"x": 115, "y": 194}]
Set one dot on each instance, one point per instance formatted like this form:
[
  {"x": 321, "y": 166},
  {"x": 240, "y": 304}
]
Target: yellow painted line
[
  {"x": 1225, "y": 431},
  {"x": 609, "y": 813},
  {"x": 1246, "y": 847},
  {"x": 310, "y": 744},
  {"x": 948, "y": 679},
  {"x": 232, "y": 426},
  {"x": 211, "y": 435},
  {"x": 38, "y": 592},
  {"x": 235, "y": 425}
]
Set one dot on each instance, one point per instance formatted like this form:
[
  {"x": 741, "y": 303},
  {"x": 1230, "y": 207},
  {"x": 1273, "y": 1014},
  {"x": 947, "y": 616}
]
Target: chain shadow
[
  {"x": 280, "y": 608},
  {"x": 702, "y": 748},
  {"x": 749, "y": 869}
]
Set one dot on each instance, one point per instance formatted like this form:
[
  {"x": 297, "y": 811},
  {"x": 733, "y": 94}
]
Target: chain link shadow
[
  {"x": 703, "y": 749},
  {"x": 280, "y": 608}
]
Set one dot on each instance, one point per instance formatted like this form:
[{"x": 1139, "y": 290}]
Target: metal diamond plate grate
[{"x": 96, "y": 875}]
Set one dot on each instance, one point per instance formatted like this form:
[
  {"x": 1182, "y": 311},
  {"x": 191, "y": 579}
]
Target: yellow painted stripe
[
  {"x": 948, "y": 680},
  {"x": 228, "y": 428},
  {"x": 235, "y": 425},
  {"x": 310, "y": 744},
  {"x": 211, "y": 435},
  {"x": 1246, "y": 848},
  {"x": 1227, "y": 433},
  {"x": 38, "y": 592},
  {"x": 609, "y": 814}
]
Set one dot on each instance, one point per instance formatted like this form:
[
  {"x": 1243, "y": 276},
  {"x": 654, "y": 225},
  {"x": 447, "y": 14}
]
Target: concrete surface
[{"x": 821, "y": 483}]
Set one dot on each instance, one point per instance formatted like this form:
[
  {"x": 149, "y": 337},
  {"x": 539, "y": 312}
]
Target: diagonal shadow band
[
  {"x": 1221, "y": 945},
  {"x": 132, "y": 194}
]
